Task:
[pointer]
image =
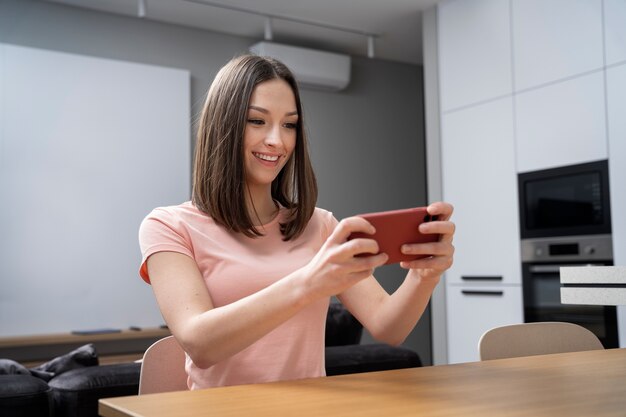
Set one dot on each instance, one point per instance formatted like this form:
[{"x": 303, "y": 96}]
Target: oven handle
[
  {"x": 555, "y": 269},
  {"x": 482, "y": 292}
]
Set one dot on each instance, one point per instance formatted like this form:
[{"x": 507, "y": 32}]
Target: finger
[
  {"x": 432, "y": 248},
  {"x": 444, "y": 228},
  {"x": 438, "y": 263},
  {"x": 360, "y": 246},
  {"x": 441, "y": 209},
  {"x": 369, "y": 262},
  {"x": 351, "y": 225}
]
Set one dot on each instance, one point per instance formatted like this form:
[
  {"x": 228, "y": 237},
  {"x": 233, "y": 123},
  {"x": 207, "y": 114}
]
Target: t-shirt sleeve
[
  {"x": 329, "y": 221},
  {"x": 161, "y": 231}
]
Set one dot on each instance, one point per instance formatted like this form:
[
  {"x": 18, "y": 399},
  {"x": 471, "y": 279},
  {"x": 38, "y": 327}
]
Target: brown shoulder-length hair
[{"x": 219, "y": 178}]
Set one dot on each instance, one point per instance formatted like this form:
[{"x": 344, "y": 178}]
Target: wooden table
[{"x": 585, "y": 384}]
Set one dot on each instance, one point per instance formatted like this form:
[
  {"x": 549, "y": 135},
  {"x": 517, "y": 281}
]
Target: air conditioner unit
[{"x": 312, "y": 68}]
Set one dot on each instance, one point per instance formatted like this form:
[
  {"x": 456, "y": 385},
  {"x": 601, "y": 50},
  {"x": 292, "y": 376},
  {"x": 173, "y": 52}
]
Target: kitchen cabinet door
[
  {"x": 555, "y": 39},
  {"x": 561, "y": 124},
  {"x": 479, "y": 179},
  {"x": 616, "y": 103},
  {"x": 472, "y": 310},
  {"x": 474, "y": 51}
]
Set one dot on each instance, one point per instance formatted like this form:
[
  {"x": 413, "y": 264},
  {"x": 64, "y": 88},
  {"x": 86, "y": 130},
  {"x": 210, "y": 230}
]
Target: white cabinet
[
  {"x": 472, "y": 310},
  {"x": 561, "y": 124},
  {"x": 555, "y": 39},
  {"x": 615, "y": 31},
  {"x": 474, "y": 51},
  {"x": 479, "y": 179},
  {"x": 616, "y": 103}
]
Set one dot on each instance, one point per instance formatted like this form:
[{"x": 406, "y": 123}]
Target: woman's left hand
[{"x": 441, "y": 252}]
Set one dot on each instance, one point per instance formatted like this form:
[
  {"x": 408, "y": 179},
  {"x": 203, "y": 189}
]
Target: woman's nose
[{"x": 273, "y": 136}]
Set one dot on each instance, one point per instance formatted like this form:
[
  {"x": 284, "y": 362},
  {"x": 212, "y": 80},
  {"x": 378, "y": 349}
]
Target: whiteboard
[{"x": 88, "y": 146}]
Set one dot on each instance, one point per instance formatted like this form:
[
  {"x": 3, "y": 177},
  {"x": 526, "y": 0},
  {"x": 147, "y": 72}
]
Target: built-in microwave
[{"x": 565, "y": 201}]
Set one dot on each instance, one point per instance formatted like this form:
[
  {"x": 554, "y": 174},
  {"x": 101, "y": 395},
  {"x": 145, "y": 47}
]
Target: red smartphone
[{"x": 395, "y": 228}]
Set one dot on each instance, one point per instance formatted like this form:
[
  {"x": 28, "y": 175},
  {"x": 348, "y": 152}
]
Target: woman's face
[{"x": 270, "y": 134}]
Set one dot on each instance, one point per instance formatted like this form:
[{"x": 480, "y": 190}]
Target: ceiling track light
[
  {"x": 268, "y": 33},
  {"x": 370, "y": 47},
  {"x": 141, "y": 8}
]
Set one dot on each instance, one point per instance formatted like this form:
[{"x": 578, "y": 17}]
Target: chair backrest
[
  {"x": 536, "y": 339},
  {"x": 163, "y": 368}
]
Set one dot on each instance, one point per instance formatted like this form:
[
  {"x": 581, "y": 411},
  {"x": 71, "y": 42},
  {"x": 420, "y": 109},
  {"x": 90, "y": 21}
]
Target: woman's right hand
[{"x": 335, "y": 268}]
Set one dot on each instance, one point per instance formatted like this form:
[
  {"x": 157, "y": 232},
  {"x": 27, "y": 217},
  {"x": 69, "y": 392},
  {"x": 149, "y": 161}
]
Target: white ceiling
[{"x": 397, "y": 22}]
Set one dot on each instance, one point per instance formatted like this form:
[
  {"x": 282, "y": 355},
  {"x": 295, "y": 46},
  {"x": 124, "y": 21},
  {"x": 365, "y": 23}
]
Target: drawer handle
[
  {"x": 481, "y": 278},
  {"x": 474, "y": 292}
]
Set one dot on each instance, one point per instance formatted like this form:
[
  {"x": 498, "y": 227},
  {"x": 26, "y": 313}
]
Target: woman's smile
[{"x": 267, "y": 159}]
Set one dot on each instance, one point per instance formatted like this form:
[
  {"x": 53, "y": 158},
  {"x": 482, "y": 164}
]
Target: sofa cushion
[
  {"x": 76, "y": 392},
  {"x": 78, "y": 358},
  {"x": 368, "y": 358},
  {"x": 24, "y": 396},
  {"x": 10, "y": 367}
]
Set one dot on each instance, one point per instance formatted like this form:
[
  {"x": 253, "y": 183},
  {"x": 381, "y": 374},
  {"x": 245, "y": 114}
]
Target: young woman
[{"x": 243, "y": 273}]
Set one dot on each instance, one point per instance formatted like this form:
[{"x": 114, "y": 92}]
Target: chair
[
  {"x": 163, "y": 368},
  {"x": 530, "y": 339}
]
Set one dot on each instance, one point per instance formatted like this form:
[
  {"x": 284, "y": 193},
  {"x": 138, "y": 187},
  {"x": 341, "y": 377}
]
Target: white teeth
[{"x": 266, "y": 157}]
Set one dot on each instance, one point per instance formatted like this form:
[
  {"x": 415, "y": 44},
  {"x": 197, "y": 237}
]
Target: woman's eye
[
  {"x": 291, "y": 125},
  {"x": 256, "y": 121}
]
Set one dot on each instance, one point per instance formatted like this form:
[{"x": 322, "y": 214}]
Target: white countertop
[
  {"x": 593, "y": 275},
  {"x": 595, "y": 285}
]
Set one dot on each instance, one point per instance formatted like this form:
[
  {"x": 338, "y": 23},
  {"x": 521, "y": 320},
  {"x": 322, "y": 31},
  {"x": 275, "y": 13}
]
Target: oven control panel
[{"x": 567, "y": 248}]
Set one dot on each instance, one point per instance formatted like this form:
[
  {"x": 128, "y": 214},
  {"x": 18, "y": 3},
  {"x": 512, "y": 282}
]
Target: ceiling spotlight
[
  {"x": 269, "y": 35},
  {"x": 370, "y": 46},
  {"x": 141, "y": 8}
]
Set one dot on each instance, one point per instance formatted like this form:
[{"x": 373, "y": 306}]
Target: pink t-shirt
[{"x": 235, "y": 266}]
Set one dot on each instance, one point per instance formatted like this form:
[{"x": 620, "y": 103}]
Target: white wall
[{"x": 88, "y": 147}]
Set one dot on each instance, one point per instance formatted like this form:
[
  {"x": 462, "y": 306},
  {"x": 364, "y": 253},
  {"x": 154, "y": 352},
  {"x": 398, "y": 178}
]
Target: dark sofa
[{"x": 71, "y": 385}]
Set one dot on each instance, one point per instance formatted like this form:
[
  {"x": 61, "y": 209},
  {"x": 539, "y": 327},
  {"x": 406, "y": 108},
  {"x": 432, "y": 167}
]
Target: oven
[
  {"x": 565, "y": 220},
  {"x": 541, "y": 287}
]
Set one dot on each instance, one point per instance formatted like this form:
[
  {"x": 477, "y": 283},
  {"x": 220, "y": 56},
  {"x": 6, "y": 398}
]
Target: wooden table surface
[{"x": 585, "y": 384}]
